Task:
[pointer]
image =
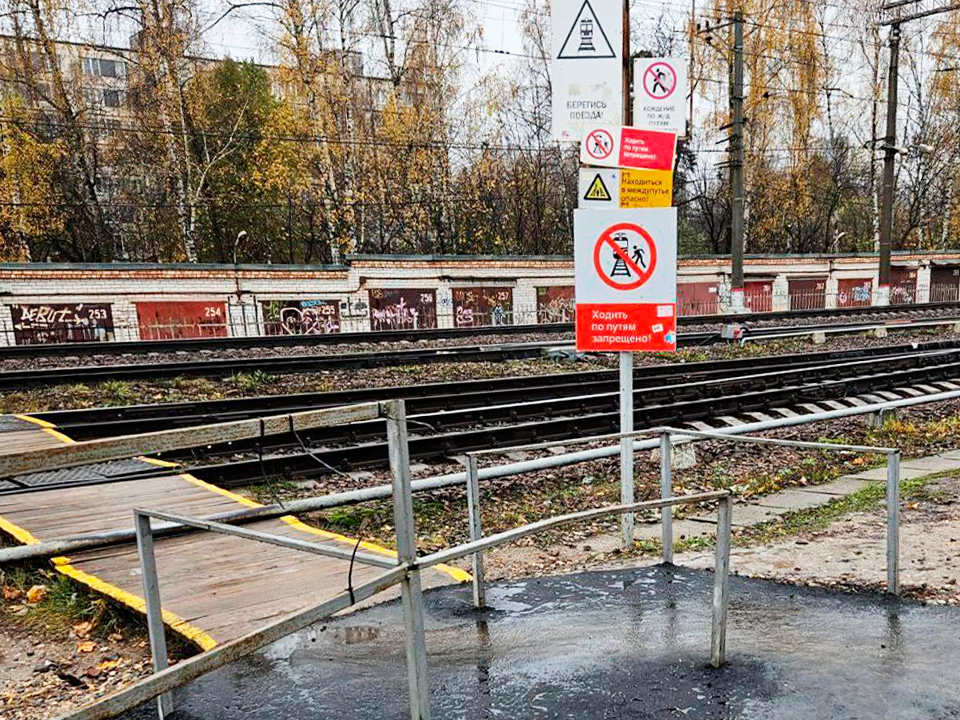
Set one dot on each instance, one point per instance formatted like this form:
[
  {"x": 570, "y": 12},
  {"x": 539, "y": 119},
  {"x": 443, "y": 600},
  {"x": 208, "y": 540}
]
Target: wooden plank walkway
[
  {"x": 22, "y": 432},
  {"x": 214, "y": 587}
]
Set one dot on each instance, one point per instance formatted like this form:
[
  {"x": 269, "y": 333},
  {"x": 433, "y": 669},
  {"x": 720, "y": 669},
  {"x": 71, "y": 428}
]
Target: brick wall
[{"x": 244, "y": 288}]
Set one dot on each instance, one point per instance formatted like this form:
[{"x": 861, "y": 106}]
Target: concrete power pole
[
  {"x": 889, "y": 165},
  {"x": 882, "y": 296},
  {"x": 736, "y": 169}
]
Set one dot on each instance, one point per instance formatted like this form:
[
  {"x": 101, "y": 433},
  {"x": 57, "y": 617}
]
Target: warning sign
[
  {"x": 625, "y": 189},
  {"x": 649, "y": 327},
  {"x": 646, "y": 188},
  {"x": 598, "y": 144},
  {"x": 628, "y": 147},
  {"x": 625, "y": 264},
  {"x": 660, "y": 101},
  {"x": 660, "y": 80},
  {"x": 597, "y": 189},
  {"x": 587, "y": 65},
  {"x": 586, "y": 38},
  {"x": 624, "y": 256}
]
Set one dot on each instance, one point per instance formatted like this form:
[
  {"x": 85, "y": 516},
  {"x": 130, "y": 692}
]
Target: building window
[
  {"x": 101, "y": 67},
  {"x": 102, "y": 98},
  {"x": 112, "y": 98},
  {"x": 38, "y": 62}
]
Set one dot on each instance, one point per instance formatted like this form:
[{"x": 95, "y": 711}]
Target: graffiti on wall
[
  {"x": 407, "y": 309},
  {"x": 903, "y": 286},
  {"x": 174, "y": 320},
  {"x": 301, "y": 317},
  {"x": 476, "y": 306},
  {"x": 854, "y": 292},
  {"x": 62, "y": 323},
  {"x": 555, "y": 304}
]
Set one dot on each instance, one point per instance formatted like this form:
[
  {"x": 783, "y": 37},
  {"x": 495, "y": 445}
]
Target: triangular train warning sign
[
  {"x": 598, "y": 190},
  {"x": 586, "y": 39}
]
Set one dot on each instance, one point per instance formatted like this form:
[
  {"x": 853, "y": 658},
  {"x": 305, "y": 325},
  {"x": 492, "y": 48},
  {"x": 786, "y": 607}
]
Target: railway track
[
  {"x": 15, "y": 379},
  {"x": 592, "y": 409},
  {"x": 90, "y": 423},
  {"x": 419, "y": 335}
]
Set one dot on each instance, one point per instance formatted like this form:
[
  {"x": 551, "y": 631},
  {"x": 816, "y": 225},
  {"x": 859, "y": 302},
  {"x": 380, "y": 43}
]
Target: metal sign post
[
  {"x": 626, "y": 358},
  {"x": 624, "y": 259}
]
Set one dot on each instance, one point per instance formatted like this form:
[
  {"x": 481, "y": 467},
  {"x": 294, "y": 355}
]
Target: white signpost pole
[
  {"x": 626, "y": 358},
  {"x": 587, "y": 88}
]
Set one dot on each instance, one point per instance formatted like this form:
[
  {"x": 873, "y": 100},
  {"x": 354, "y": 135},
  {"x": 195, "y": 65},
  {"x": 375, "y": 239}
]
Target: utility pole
[
  {"x": 889, "y": 165},
  {"x": 882, "y": 296},
  {"x": 736, "y": 168}
]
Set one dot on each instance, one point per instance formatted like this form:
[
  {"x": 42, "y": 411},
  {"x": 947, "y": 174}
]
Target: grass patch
[
  {"x": 253, "y": 382},
  {"x": 118, "y": 392},
  {"x": 821, "y": 517},
  {"x": 66, "y": 603}
]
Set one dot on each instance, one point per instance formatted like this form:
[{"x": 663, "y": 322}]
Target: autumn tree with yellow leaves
[{"x": 378, "y": 128}]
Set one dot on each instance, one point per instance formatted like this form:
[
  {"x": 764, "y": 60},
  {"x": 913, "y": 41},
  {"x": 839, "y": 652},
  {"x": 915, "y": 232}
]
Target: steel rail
[
  {"x": 656, "y": 405},
  {"x": 803, "y": 383},
  {"x": 15, "y": 379},
  {"x": 490, "y": 541},
  {"x": 67, "y": 545},
  {"x": 421, "y": 334},
  {"x": 434, "y": 397},
  {"x": 314, "y": 548},
  {"x": 373, "y": 454}
]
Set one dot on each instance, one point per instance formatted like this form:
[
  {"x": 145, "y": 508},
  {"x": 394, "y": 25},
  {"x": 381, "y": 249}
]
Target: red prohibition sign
[
  {"x": 599, "y": 144},
  {"x": 606, "y": 241},
  {"x": 651, "y": 80}
]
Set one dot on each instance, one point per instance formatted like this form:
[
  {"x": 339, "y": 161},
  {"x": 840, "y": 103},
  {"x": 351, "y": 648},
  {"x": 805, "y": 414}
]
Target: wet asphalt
[{"x": 608, "y": 645}]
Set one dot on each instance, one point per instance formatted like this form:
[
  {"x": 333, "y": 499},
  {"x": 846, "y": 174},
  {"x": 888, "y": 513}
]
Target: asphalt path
[{"x": 608, "y": 645}]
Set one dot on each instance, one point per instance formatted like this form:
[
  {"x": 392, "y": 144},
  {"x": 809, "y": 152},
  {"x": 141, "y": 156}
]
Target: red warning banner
[
  {"x": 648, "y": 149},
  {"x": 611, "y": 327},
  {"x": 628, "y": 147}
]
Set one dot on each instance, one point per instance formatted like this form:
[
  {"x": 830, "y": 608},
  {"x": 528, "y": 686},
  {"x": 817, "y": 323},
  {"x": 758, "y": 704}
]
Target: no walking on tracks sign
[
  {"x": 628, "y": 147},
  {"x": 625, "y": 264}
]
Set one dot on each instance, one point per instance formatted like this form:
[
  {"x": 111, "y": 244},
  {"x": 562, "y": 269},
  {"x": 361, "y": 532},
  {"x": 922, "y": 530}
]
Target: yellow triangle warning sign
[{"x": 598, "y": 190}]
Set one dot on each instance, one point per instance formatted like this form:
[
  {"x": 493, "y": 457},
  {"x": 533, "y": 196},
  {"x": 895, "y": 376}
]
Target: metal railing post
[
  {"x": 476, "y": 531},
  {"x": 151, "y": 594},
  {"x": 893, "y": 523},
  {"x": 666, "y": 491},
  {"x": 721, "y": 583},
  {"x": 627, "y": 481},
  {"x": 412, "y": 597}
]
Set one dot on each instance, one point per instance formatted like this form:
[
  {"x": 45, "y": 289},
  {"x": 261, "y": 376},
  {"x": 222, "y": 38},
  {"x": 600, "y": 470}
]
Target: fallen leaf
[
  {"x": 82, "y": 629},
  {"x": 36, "y": 594},
  {"x": 108, "y": 664},
  {"x": 11, "y": 593},
  {"x": 86, "y": 646}
]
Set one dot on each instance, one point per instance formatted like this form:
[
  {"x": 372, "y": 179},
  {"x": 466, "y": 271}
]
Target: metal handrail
[
  {"x": 405, "y": 571},
  {"x": 66, "y": 545}
]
